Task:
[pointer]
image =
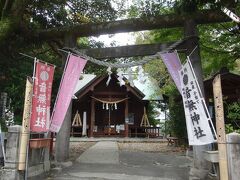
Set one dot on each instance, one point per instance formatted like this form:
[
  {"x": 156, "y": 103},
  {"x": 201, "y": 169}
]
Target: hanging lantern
[
  {"x": 115, "y": 106},
  {"x": 103, "y": 106},
  {"x": 106, "y": 106}
]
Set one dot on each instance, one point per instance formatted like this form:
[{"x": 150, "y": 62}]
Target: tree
[
  {"x": 20, "y": 19},
  {"x": 219, "y": 48},
  {"x": 38, "y": 28}
]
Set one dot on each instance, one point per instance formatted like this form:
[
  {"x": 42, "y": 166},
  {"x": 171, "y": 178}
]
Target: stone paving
[
  {"x": 104, "y": 161},
  {"x": 101, "y": 153}
]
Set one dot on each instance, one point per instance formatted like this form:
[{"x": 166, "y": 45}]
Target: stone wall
[{"x": 38, "y": 161}]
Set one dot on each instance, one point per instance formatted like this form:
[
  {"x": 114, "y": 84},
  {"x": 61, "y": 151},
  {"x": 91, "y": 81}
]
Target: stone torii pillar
[
  {"x": 200, "y": 165},
  {"x": 63, "y": 136}
]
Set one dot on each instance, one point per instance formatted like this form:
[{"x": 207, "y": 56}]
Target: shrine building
[{"x": 101, "y": 110}]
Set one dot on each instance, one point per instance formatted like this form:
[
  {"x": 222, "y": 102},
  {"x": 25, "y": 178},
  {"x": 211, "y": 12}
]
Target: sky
[{"x": 120, "y": 39}]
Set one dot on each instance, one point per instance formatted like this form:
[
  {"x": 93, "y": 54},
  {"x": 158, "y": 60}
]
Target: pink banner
[
  {"x": 42, "y": 90},
  {"x": 69, "y": 80},
  {"x": 172, "y": 62}
]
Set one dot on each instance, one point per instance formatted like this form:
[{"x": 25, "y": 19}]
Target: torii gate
[{"x": 190, "y": 30}]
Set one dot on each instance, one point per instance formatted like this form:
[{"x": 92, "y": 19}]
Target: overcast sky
[{"x": 119, "y": 39}]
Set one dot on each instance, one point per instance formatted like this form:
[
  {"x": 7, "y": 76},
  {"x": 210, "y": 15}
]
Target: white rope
[{"x": 109, "y": 102}]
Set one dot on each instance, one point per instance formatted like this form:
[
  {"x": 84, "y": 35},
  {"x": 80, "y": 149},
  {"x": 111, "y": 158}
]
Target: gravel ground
[
  {"x": 150, "y": 147},
  {"x": 77, "y": 148}
]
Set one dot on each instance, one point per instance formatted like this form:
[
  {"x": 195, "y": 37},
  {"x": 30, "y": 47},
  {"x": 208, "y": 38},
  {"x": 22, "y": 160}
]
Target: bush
[{"x": 233, "y": 115}]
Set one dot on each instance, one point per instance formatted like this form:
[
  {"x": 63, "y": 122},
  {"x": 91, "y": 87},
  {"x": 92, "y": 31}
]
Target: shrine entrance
[
  {"x": 111, "y": 110},
  {"x": 109, "y": 118},
  {"x": 186, "y": 46}
]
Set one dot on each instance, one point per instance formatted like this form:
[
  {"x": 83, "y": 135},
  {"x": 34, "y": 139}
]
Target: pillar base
[
  {"x": 11, "y": 174},
  {"x": 198, "y": 174}
]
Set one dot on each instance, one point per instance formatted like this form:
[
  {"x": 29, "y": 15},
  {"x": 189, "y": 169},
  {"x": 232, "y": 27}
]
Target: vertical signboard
[
  {"x": 41, "y": 100},
  {"x": 197, "y": 116}
]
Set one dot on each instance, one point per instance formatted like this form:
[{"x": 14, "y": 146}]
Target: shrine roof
[
  {"x": 230, "y": 85},
  {"x": 147, "y": 91}
]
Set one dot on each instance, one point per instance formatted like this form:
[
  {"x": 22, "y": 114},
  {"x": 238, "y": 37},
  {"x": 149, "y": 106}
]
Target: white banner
[
  {"x": 230, "y": 14},
  {"x": 198, "y": 120}
]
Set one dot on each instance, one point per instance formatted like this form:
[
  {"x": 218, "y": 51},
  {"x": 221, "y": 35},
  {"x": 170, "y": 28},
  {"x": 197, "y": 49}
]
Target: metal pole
[
  {"x": 109, "y": 120},
  {"x": 27, "y": 153},
  {"x": 2, "y": 144}
]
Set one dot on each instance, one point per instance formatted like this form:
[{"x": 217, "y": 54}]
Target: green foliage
[
  {"x": 3, "y": 125},
  {"x": 5, "y": 29},
  {"x": 233, "y": 115},
  {"x": 146, "y": 8},
  {"x": 133, "y": 12},
  {"x": 152, "y": 113},
  {"x": 234, "y": 111},
  {"x": 35, "y": 15},
  {"x": 177, "y": 122},
  {"x": 15, "y": 69},
  {"x": 175, "y": 125},
  {"x": 219, "y": 48},
  {"x": 61, "y": 12},
  {"x": 229, "y": 129}
]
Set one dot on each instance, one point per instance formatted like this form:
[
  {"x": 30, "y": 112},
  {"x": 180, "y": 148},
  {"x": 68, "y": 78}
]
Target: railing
[
  {"x": 151, "y": 132},
  {"x": 134, "y": 131}
]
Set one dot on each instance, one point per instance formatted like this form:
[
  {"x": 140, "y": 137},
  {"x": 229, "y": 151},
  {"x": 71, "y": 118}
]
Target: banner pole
[
  {"x": 221, "y": 136},
  {"x": 2, "y": 144},
  {"x": 31, "y": 57},
  {"x": 33, "y": 80}
]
